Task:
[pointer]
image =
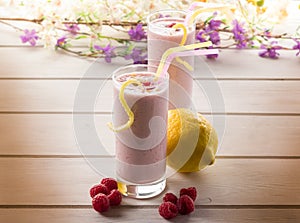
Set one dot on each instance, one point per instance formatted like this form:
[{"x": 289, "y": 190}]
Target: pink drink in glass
[
  {"x": 161, "y": 36},
  {"x": 141, "y": 149}
]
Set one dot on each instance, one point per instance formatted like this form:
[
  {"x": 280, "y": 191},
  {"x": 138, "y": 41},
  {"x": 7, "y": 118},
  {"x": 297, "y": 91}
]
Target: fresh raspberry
[
  {"x": 168, "y": 210},
  {"x": 100, "y": 203},
  {"x": 185, "y": 204},
  {"x": 171, "y": 25},
  {"x": 170, "y": 197},
  {"x": 110, "y": 183},
  {"x": 99, "y": 188},
  {"x": 115, "y": 197},
  {"x": 191, "y": 191}
]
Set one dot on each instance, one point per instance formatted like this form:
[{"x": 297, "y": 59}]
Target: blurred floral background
[{"x": 111, "y": 28}]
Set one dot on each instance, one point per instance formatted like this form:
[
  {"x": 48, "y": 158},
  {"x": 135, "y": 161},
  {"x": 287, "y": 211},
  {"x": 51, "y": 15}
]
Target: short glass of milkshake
[
  {"x": 141, "y": 142},
  {"x": 162, "y": 34}
]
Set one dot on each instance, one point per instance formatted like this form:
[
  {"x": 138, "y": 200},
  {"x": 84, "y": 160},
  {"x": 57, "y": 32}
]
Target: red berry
[
  {"x": 171, "y": 25},
  {"x": 115, "y": 197},
  {"x": 110, "y": 183},
  {"x": 99, "y": 188},
  {"x": 168, "y": 210},
  {"x": 185, "y": 204},
  {"x": 170, "y": 197},
  {"x": 100, "y": 203},
  {"x": 191, "y": 191}
]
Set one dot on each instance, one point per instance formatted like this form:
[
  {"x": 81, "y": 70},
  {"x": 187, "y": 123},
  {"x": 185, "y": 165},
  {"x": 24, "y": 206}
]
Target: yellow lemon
[{"x": 192, "y": 141}]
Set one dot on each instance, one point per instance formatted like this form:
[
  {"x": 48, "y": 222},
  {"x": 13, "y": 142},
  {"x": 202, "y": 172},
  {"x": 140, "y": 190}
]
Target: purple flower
[
  {"x": 214, "y": 37},
  {"x": 270, "y": 51},
  {"x": 108, "y": 51},
  {"x": 214, "y": 24},
  {"x": 239, "y": 34},
  {"x": 29, "y": 36},
  {"x": 201, "y": 36},
  {"x": 136, "y": 56},
  {"x": 297, "y": 47},
  {"x": 267, "y": 33},
  {"x": 210, "y": 32},
  {"x": 138, "y": 33},
  {"x": 211, "y": 56},
  {"x": 61, "y": 41},
  {"x": 72, "y": 28}
]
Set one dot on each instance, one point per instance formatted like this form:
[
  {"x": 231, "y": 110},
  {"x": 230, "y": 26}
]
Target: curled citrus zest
[
  {"x": 174, "y": 50},
  {"x": 183, "y": 40},
  {"x": 181, "y": 26},
  {"x": 125, "y": 106}
]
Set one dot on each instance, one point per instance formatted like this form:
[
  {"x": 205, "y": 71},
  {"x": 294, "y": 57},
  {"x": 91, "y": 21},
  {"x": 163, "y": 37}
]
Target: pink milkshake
[
  {"x": 141, "y": 148},
  {"x": 161, "y": 36}
]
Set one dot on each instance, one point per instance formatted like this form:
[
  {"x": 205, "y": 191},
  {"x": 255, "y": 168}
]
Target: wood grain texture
[
  {"x": 136, "y": 214},
  {"x": 96, "y": 95},
  {"x": 43, "y": 177},
  {"x": 44, "y": 181},
  {"x": 245, "y": 65},
  {"x": 53, "y": 134}
]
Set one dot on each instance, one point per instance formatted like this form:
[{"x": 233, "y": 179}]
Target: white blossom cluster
[{"x": 129, "y": 10}]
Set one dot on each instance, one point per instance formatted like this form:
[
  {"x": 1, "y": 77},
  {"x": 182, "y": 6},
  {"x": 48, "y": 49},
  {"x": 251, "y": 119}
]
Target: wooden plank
[
  {"x": 209, "y": 96},
  {"x": 260, "y": 136},
  {"x": 53, "y": 134},
  {"x": 44, "y": 181},
  {"x": 124, "y": 214},
  {"x": 37, "y": 134},
  {"x": 237, "y": 64},
  {"x": 38, "y": 62},
  {"x": 9, "y": 36},
  {"x": 43, "y": 63}
]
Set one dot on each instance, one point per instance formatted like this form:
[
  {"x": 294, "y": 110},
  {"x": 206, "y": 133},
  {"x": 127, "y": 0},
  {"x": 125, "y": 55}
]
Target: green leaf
[
  {"x": 129, "y": 15},
  {"x": 129, "y": 49},
  {"x": 121, "y": 41},
  {"x": 208, "y": 19},
  {"x": 260, "y": 3},
  {"x": 81, "y": 37},
  {"x": 67, "y": 45}
]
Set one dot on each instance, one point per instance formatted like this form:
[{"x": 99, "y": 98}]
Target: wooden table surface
[{"x": 45, "y": 178}]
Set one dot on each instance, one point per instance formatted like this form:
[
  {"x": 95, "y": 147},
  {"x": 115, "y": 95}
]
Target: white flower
[{"x": 277, "y": 10}]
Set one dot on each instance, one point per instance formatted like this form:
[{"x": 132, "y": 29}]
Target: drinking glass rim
[
  {"x": 132, "y": 66},
  {"x": 182, "y": 12}
]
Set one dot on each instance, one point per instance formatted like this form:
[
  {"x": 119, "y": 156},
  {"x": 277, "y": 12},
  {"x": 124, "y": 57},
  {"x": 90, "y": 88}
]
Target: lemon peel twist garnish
[
  {"x": 125, "y": 106},
  {"x": 183, "y": 40},
  {"x": 181, "y": 26}
]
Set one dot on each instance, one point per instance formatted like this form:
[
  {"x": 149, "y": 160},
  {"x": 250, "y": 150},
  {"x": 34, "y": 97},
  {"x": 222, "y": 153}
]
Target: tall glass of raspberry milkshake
[
  {"x": 162, "y": 36},
  {"x": 141, "y": 147}
]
